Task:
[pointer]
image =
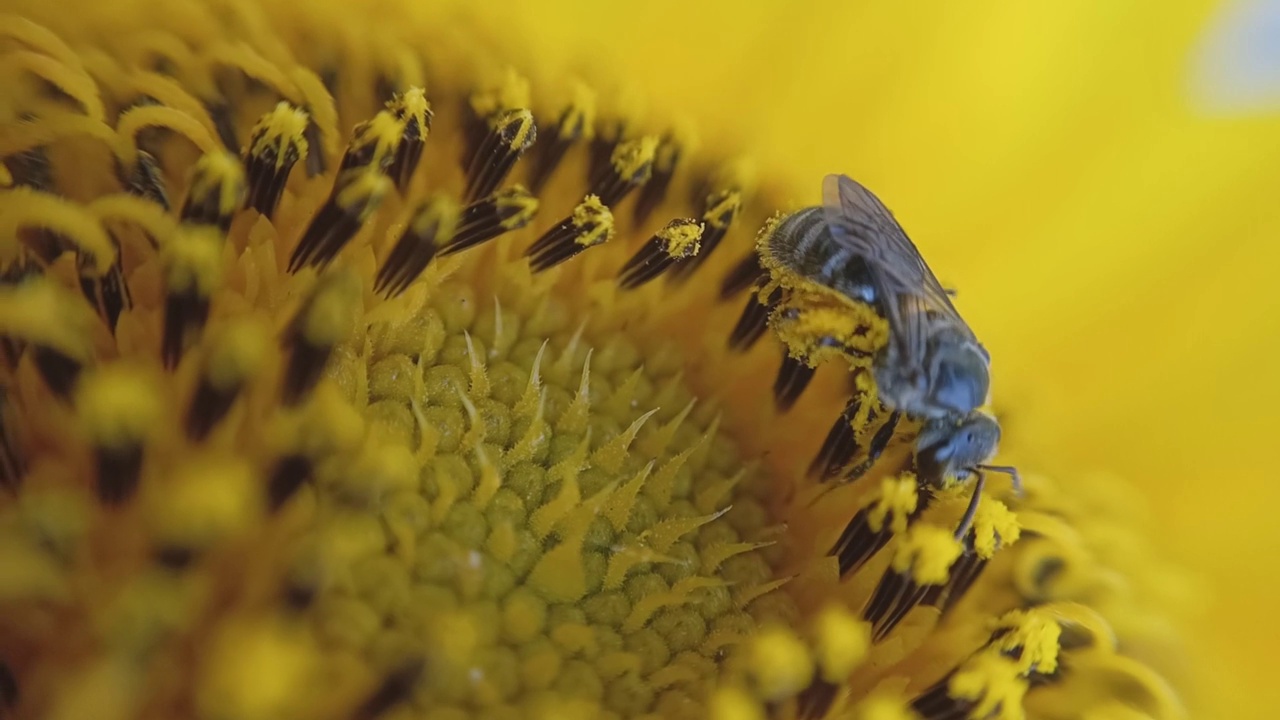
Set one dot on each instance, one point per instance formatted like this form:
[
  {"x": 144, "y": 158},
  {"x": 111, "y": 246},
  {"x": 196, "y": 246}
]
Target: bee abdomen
[{"x": 802, "y": 243}]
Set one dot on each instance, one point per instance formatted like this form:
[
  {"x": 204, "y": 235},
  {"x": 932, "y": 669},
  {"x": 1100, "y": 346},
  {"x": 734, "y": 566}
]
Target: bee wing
[{"x": 913, "y": 297}]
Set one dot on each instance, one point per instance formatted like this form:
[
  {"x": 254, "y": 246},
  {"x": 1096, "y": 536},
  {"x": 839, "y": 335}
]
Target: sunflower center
[{"x": 562, "y": 515}]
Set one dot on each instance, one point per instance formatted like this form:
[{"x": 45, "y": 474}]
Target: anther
[
  {"x": 816, "y": 700},
  {"x": 394, "y": 689},
  {"x": 841, "y": 443},
  {"x": 30, "y": 168},
  {"x": 118, "y": 408},
  {"x": 590, "y": 224},
  {"x": 374, "y": 143},
  {"x": 610, "y": 135},
  {"x": 879, "y": 442},
  {"x": 858, "y": 543},
  {"x": 665, "y": 160},
  {"x": 510, "y": 133},
  {"x": 719, "y": 212},
  {"x": 9, "y": 693},
  {"x": 109, "y": 293},
  {"x": 923, "y": 559},
  {"x": 483, "y": 220},
  {"x": 793, "y": 377},
  {"x": 746, "y": 273},
  {"x": 325, "y": 319},
  {"x": 144, "y": 178},
  {"x": 754, "y": 320},
  {"x": 12, "y": 463},
  {"x": 287, "y": 476},
  {"x": 276, "y": 144},
  {"x": 963, "y": 575},
  {"x": 630, "y": 166},
  {"x": 433, "y": 226},
  {"x": 232, "y": 360},
  {"x": 576, "y": 123},
  {"x": 673, "y": 244},
  {"x": 192, "y": 270},
  {"x": 412, "y": 108},
  {"x": 217, "y": 190},
  {"x": 53, "y": 324},
  {"x": 357, "y": 193}
]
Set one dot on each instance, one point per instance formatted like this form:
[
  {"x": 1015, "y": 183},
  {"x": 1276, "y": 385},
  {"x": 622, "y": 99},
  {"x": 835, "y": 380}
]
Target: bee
[{"x": 932, "y": 369}]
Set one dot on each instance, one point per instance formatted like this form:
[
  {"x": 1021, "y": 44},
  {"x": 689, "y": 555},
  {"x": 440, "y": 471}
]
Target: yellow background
[{"x": 1115, "y": 247}]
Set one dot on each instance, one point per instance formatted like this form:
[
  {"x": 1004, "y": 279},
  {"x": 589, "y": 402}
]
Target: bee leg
[
  {"x": 951, "y": 292},
  {"x": 1009, "y": 470},
  {"x": 971, "y": 511},
  {"x": 878, "y": 444}
]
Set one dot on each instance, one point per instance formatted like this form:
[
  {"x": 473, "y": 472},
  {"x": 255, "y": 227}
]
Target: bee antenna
[{"x": 1009, "y": 470}]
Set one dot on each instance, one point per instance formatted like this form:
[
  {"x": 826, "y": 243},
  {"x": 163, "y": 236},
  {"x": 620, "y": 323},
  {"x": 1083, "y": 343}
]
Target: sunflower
[{"x": 359, "y": 364}]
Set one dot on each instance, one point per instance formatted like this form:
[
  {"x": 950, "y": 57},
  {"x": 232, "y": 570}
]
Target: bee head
[
  {"x": 961, "y": 378},
  {"x": 947, "y": 449}
]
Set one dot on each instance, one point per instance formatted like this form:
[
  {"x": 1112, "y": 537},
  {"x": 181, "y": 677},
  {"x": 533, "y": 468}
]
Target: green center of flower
[{"x": 562, "y": 515}]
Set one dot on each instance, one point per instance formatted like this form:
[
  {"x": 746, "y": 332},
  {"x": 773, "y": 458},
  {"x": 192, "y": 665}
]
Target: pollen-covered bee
[{"x": 931, "y": 368}]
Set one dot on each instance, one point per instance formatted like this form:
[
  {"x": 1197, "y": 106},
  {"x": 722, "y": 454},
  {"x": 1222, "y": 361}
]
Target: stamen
[
  {"x": 890, "y": 512},
  {"x": 357, "y": 193},
  {"x": 9, "y": 694},
  {"x": 54, "y": 324},
  {"x": 506, "y": 210},
  {"x": 433, "y": 226},
  {"x": 12, "y": 462},
  {"x": 879, "y": 443},
  {"x": 144, "y": 179},
  {"x": 611, "y": 133},
  {"x": 590, "y": 224},
  {"x": 30, "y": 168},
  {"x": 754, "y": 320},
  {"x": 815, "y": 701},
  {"x": 793, "y": 377},
  {"x": 217, "y": 190},
  {"x": 192, "y": 274},
  {"x": 510, "y": 133},
  {"x": 395, "y": 688},
  {"x": 923, "y": 558},
  {"x": 841, "y": 443},
  {"x": 234, "y": 358},
  {"x": 675, "y": 243},
  {"x": 412, "y": 108},
  {"x": 326, "y": 318},
  {"x": 118, "y": 408},
  {"x": 719, "y": 212},
  {"x": 108, "y": 293},
  {"x": 746, "y": 273},
  {"x": 276, "y": 144},
  {"x": 630, "y": 166},
  {"x": 576, "y": 122},
  {"x": 289, "y": 474},
  {"x": 374, "y": 143},
  {"x": 665, "y": 160}
]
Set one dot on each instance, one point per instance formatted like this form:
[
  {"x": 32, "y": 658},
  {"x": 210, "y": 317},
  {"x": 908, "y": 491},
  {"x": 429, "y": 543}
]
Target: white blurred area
[{"x": 1235, "y": 69}]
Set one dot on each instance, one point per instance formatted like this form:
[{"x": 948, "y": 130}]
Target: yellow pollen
[
  {"x": 682, "y": 238},
  {"x": 281, "y": 133},
  {"x": 594, "y": 222},
  {"x": 926, "y": 553}
]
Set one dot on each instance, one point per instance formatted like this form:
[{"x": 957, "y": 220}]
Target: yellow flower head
[{"x": 352, "y": 369}]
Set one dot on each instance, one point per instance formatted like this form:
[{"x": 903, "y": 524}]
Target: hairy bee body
[
  {"x": 802, "y": 243},
  {"x": 932, "y": 367}
]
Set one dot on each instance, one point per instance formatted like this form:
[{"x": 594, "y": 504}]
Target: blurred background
[{"x": 1101, "y": 182}]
